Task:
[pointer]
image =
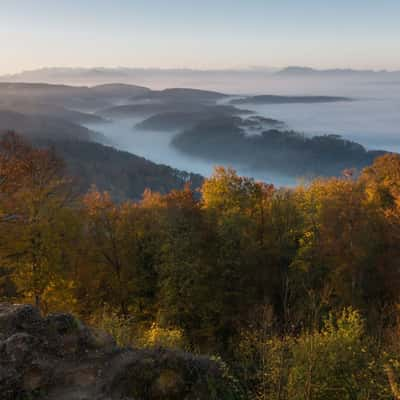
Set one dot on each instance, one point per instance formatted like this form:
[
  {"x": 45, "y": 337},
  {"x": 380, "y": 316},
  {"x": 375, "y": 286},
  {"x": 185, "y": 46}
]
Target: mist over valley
[{"x": 297, "y": 125}]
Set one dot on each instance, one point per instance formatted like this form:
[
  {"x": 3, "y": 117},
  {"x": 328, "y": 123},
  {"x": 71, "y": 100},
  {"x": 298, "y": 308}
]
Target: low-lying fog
[
  {"x": 373, "y": 120},
  {"x": 375, "y": 123},
  {"x": 155, "y": 146}
]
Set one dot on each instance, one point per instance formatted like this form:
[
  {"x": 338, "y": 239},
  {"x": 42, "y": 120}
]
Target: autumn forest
[{"x": 295, "y": 291}]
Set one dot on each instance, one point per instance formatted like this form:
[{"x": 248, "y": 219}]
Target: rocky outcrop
[{"x": 59, "y": 358}]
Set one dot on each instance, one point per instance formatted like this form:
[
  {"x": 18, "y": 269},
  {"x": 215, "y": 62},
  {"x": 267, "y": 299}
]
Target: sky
[{"x": 199, "y": 34}]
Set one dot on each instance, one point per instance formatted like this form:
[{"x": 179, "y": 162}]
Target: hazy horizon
[
  {"x": 199, "y": 35},
  {"x": 249, "y": 68}
]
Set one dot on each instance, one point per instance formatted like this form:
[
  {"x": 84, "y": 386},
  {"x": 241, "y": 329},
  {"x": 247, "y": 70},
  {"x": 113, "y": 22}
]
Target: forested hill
[
  {"x": 225, "y": 140},
  {"x": 38, "y": 126},
  {"x": 203, "y": 124},
  {"x": 47, "y": 115},
  {"x": 122, "y": 174},
  {"x": 273, "y": 99}
]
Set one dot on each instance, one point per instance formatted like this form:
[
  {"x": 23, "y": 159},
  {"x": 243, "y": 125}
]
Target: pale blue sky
[{"x": 199, "y": 33}]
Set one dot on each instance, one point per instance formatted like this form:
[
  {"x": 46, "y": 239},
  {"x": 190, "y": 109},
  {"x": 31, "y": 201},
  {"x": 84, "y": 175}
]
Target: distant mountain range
[
  {"x": 129, "y": 75},
  {"x": 153, "y": 77},
  {"x": 309, "y": 72}
]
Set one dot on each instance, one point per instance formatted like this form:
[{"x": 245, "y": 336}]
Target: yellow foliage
[{"x": 164, "y": 337}]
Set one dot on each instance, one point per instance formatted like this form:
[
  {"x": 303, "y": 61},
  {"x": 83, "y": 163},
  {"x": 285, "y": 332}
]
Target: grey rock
[{"x": 59, "y": 358}]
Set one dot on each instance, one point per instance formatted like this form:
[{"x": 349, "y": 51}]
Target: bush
[{"x": 338, "y": 362}]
